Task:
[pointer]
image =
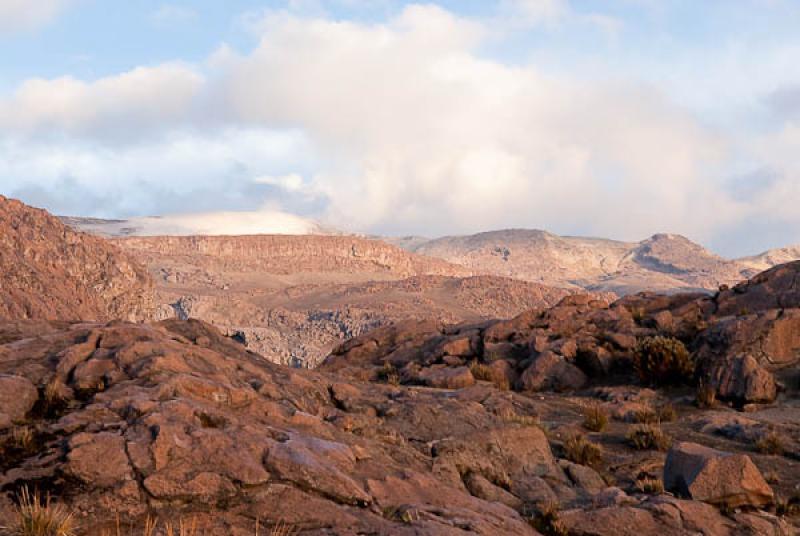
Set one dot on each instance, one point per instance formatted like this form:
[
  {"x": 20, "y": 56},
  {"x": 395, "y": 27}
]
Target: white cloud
[
  {"x": 402, "y": 126},
  {"x": 172, "y": 14},
  {"x": 16, "y": 15},
  {"x": 116, "y": 106},
  {"x": 423, "y": 135}
]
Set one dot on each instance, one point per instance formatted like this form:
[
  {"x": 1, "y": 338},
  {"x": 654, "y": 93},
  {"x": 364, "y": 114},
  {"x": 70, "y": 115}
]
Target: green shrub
[{"x": 663, "y": 361}]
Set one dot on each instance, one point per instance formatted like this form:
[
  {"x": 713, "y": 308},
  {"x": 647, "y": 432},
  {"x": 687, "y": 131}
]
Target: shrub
[
  {"x": 34, "y": 517},
  {"x": 647, "y": 437},
  {"x": 663, "y": 361},
  {"x": 580, "y": 450},
  {"x": 771, "y": 443},
  {"x": 596, "y": 418}
]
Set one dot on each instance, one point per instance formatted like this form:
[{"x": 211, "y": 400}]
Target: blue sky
[{"x": 617, "y": 118}]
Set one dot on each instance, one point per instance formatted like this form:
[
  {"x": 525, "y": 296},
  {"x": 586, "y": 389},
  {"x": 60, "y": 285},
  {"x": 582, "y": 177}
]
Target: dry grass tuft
[
  {"x": 35, "y": 517},
  {"x": 647, "y": 437},
  {"x": 771, "y": 443},
  {"x": 580, "y": 450},
  {"x": 547, "y": 520},
  {"x": 667, "y": 413},
  {"x": 389, "y": 374},
  {"x": 706, "y": 396},
  {"x": 650, "y": 486},
  {"x": 481, "y": 372},
  {"x": 596, "y": 418}
]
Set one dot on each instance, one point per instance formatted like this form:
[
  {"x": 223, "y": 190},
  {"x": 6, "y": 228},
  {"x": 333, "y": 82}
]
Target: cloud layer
[
  {"x": 18, "y": 15},
  {"x": 403, "y": 126}
]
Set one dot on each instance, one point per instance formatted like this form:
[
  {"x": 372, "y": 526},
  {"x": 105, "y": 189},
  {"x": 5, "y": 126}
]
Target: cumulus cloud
[
  {"x": 141, "y": 99},
  {"x": 423, "y": 135},
  {"x": 401, "y": 126},
  {"x": 16, "y": 15}
]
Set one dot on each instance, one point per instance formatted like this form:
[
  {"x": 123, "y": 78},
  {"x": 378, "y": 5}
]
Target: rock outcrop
[
  {"x": 583, "y": 339},
  {"x": 715, "y": 477},
  {"x": 50, "y": 271}
]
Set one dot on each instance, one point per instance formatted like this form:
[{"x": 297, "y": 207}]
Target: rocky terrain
[
  {"x": 419, "y": 428},
  {"x": 663, "y": 262},
  {"x": 293, "y": 298},
  {"x": 50, "y": 271}
]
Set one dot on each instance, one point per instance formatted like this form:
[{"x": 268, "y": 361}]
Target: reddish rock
[
  {"x": 98, "y": 459},
  {"x": 17, "y": 397},
  {"x": 447, "y": 377},
  {"x": 716, "y": 477},
  {"x": 551, "y": 372},
  {"x": 742, "y": 379}
]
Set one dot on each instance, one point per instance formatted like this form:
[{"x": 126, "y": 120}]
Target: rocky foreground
[{"x": 420, "y": 429}]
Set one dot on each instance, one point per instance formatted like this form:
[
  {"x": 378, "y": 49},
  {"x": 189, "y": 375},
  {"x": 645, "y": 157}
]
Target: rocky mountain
[
  {"x": 52, "y": 272},
  {"x": 772, "y": 257},
  {"x": 293, "y": 298},
  {"x": 663, "y": 262}
]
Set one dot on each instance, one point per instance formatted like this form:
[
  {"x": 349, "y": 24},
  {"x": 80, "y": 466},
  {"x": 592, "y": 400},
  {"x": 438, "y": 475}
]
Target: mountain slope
[
  {"x": 53, "y": 272},
  {"x": 663, "y": 262},
  {"x": 293, "y": 298}
]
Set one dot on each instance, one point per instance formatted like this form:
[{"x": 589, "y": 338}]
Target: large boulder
[
  {"x": 743, "y": 380},
  {"x": 17, "y": 397},
  {"x": 715, "y": 477},
  {"x": 551, "y": 372}
]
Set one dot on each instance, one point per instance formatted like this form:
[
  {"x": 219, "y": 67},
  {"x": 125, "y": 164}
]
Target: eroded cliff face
[
  {"x": 293, "y": 298},
  {"x": 292, "y": 254},
  {"x": 50, "y": 271}
]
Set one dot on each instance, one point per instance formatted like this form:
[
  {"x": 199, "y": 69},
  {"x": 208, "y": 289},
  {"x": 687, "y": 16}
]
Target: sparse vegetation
[
  {"x": 524, "y": 420},
  {"x": 667, "y": 413},
  {"x": 36, "y": 517},
  {"x": 480, "y": 371},
  {"x": 650, "y": 486},
  {"x": 771, "y": 443},
  {"x": 596, "y": 418},
  {"x": 647, "y": 437},
  {"x": 663, "y": 361},
  {"x": 399, "y": 514},
  {"x": 645, "y": 415},
  {"x": 389, "y": 374},
  {"x": 547, "y": 520},
  {"x": 580, "y": 450},
  {"x": 787, "y": 507},
  {"x": 706, "y": 395}
]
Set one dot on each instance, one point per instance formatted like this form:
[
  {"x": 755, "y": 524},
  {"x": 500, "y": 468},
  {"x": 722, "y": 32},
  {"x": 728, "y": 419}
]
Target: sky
[{"x": 613, "y": 118}]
